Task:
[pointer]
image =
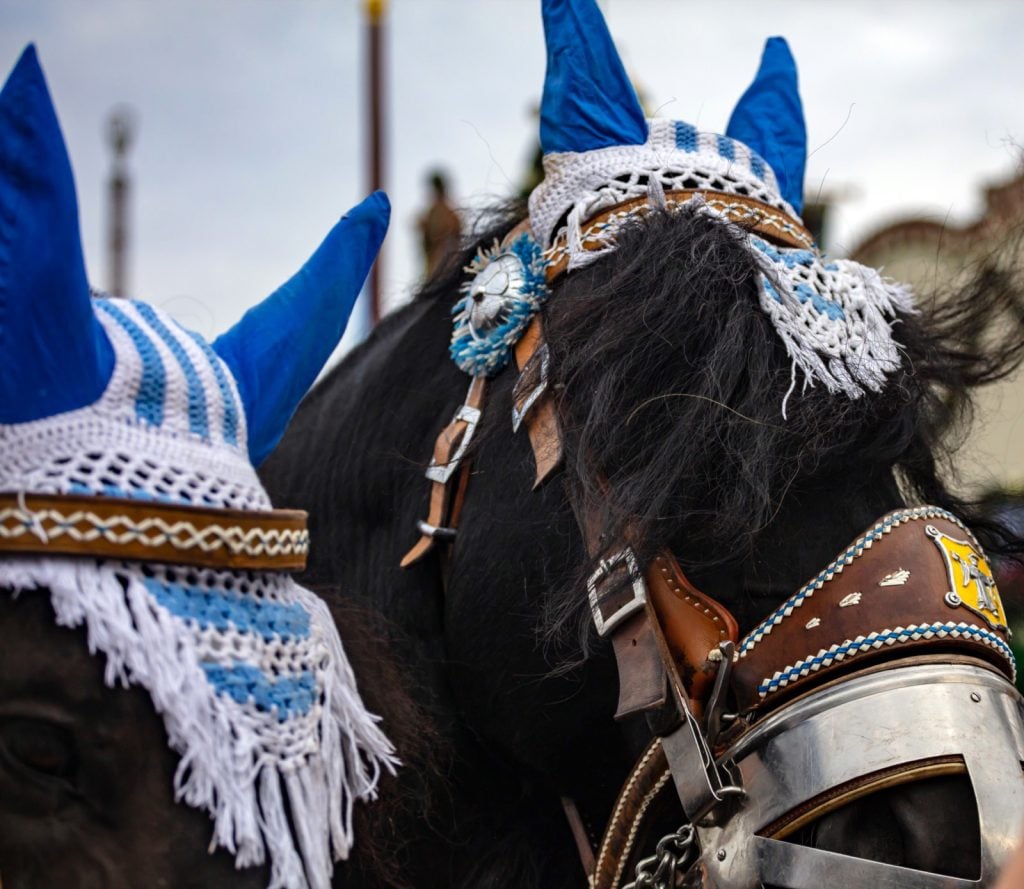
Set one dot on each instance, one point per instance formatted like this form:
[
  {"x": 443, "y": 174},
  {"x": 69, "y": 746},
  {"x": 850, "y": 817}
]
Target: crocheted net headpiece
[
  {"x": 600, "y": 152},
  {"x": 110, "y": 397}
]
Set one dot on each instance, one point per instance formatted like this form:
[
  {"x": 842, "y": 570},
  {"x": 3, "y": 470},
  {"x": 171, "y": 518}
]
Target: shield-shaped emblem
[{"x": 971, "y": 584}]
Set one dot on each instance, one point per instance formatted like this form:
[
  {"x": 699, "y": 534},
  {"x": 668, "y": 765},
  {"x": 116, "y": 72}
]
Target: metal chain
[{"x": 670, "y": 858}]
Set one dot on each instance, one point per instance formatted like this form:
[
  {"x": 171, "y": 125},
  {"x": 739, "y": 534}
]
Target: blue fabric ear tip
[
  {"x": 588, "y": 100},
  {"x": 769, "y": 119},
  {"x": 29, "y": 58},
  {"x": 298, "y": 326},
  {"x": 375, "y": 204},
  {"x": 54, "y": 355},
  {"x": 381, "y": 199}
]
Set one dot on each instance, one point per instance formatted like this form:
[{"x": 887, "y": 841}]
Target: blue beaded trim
[{"x": 913, "y": 633}]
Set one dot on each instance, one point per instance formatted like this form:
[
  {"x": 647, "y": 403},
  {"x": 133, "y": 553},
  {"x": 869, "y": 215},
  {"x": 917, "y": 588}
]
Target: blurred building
[{"x": 934, "y": 256}]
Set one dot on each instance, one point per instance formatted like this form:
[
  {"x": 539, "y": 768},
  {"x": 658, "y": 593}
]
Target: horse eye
[{"x": 40, "y": 746}]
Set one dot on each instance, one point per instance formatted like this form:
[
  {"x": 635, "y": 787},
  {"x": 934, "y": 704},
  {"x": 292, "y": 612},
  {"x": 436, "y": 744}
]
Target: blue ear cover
[
  {"x": 588, "y": 100},
  {"x": 280, "y": 345},
  {"x": 769, "y": 118},
  {"x": 54, "y": 355}
]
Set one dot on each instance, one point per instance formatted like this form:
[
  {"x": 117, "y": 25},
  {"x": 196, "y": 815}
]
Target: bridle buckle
[
  {"x": 604, "y": 570},
  {"x": 441, "y": 472}
]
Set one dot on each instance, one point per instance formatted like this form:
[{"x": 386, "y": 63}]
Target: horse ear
[
  {"x": 588, "y": 100},
  {"x": 279, "y": 346},
  {"x": 769, "y": 118},
  {"x": 54, "y": 354}
]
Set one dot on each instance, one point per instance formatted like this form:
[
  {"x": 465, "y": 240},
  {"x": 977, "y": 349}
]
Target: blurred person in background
[{"x": 440, "y": 227}]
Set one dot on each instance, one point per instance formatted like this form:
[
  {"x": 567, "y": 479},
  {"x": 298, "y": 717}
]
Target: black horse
[
  {"x": 675, "y": 379},
  {"x": 669, "y": 380}
]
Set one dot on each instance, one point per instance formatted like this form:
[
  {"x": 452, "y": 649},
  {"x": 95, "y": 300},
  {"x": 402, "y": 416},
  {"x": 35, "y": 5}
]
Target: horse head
[{"x": 155, "y": 649}]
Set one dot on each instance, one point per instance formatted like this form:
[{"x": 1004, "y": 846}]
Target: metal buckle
[
  {"x": 437, "y": 532},
  {"x": 604, "y": 569},
  {"x": 518, "y": 414},
  {"x": 441, "y": 472}
]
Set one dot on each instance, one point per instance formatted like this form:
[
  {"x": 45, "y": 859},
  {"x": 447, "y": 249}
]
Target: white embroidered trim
[
  {"x": 585, "y": 183},
  {"x": 85, "y": 526}
]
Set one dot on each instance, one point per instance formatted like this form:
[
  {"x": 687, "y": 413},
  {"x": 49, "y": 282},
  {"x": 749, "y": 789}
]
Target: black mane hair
[{"x": 673, "y": 381}]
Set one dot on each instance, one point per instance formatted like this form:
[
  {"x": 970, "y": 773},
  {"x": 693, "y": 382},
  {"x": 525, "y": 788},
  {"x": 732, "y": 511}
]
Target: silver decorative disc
[{"x": 492, "y": 290}]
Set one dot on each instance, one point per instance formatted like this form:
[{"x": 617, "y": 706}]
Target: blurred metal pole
[
  {"x": 120, "y": 132},
  {"x": 376, "y": 13}
]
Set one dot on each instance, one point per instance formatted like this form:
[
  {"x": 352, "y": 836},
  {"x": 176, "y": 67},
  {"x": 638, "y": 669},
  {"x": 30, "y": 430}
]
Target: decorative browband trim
[
  {"x": 151, "y": 531},
  {"x": 853, "y": 552},
  {"x": 752, "y": 215},
  {"x": 874, "y": 641}
]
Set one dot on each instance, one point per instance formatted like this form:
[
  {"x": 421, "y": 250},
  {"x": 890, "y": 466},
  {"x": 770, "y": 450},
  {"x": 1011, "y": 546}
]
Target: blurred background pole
[
  {"x": 120, "y": 132},
  {"x": 376, "y": 13}
]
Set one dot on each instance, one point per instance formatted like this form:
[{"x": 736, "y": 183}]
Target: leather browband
[
  {"x": 151, "y": 531},
  {"x": 746, "y": 212}
]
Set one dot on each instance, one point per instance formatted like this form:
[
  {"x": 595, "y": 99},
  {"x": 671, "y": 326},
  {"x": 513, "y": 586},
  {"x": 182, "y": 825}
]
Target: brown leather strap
[
  {"x": 449, "y": 458},
  {"x": 533, "y": 404},
  {"x": 648, "y": 779},
  {"x": 693, "y": 625},
  {"x": 152, "y": 531},
  {"x": 770, "y": 223},
  {"x": 661, "y": 626},
  {"x": 579, "y": 834}
]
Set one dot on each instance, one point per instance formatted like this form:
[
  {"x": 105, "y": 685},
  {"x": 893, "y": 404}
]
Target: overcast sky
[{"x": 251, "y": 114}]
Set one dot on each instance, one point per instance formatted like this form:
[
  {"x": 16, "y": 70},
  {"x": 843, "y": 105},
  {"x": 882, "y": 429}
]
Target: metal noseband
[{"x": 866, "y": 733}]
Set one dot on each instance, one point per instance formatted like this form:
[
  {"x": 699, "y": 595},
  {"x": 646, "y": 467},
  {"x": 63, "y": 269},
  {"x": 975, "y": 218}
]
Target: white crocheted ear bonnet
[
  {"x": 579, "y": 185},
  {"x": 110, "y": 398},
  {"x": 246, "y": 668},
  {"x": 835, "y": 318}
]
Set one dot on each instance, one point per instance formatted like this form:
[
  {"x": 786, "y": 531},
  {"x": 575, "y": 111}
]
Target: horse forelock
[{"x": 672, "y": 382}]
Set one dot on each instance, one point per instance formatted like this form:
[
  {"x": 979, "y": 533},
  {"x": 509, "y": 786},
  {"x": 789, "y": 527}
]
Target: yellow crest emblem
[{"x": 971, "y": 584}]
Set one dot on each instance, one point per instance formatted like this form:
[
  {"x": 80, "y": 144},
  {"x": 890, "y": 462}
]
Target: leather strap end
[
  {"x": 420, "y": 549},
  {"x": 643, "y": 684},
  {"x": 546, "y": 441},
  {"x": 529, "y": 342}
]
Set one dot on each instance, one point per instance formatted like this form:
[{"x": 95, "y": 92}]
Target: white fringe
[
  {"x": 226, "y": 767},
  {"x": 850, "y": 355}
]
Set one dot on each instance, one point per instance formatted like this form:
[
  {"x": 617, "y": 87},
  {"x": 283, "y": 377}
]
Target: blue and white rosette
[{"x": 507, "y": 289}]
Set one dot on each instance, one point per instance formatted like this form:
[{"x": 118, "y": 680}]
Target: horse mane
[{"x": 673, "y": 381}]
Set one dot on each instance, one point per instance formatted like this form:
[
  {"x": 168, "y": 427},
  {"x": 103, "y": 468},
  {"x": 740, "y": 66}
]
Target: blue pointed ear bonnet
[
  {"x": 604, "y": 164},
  {"x": 110, "y": 398}
]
